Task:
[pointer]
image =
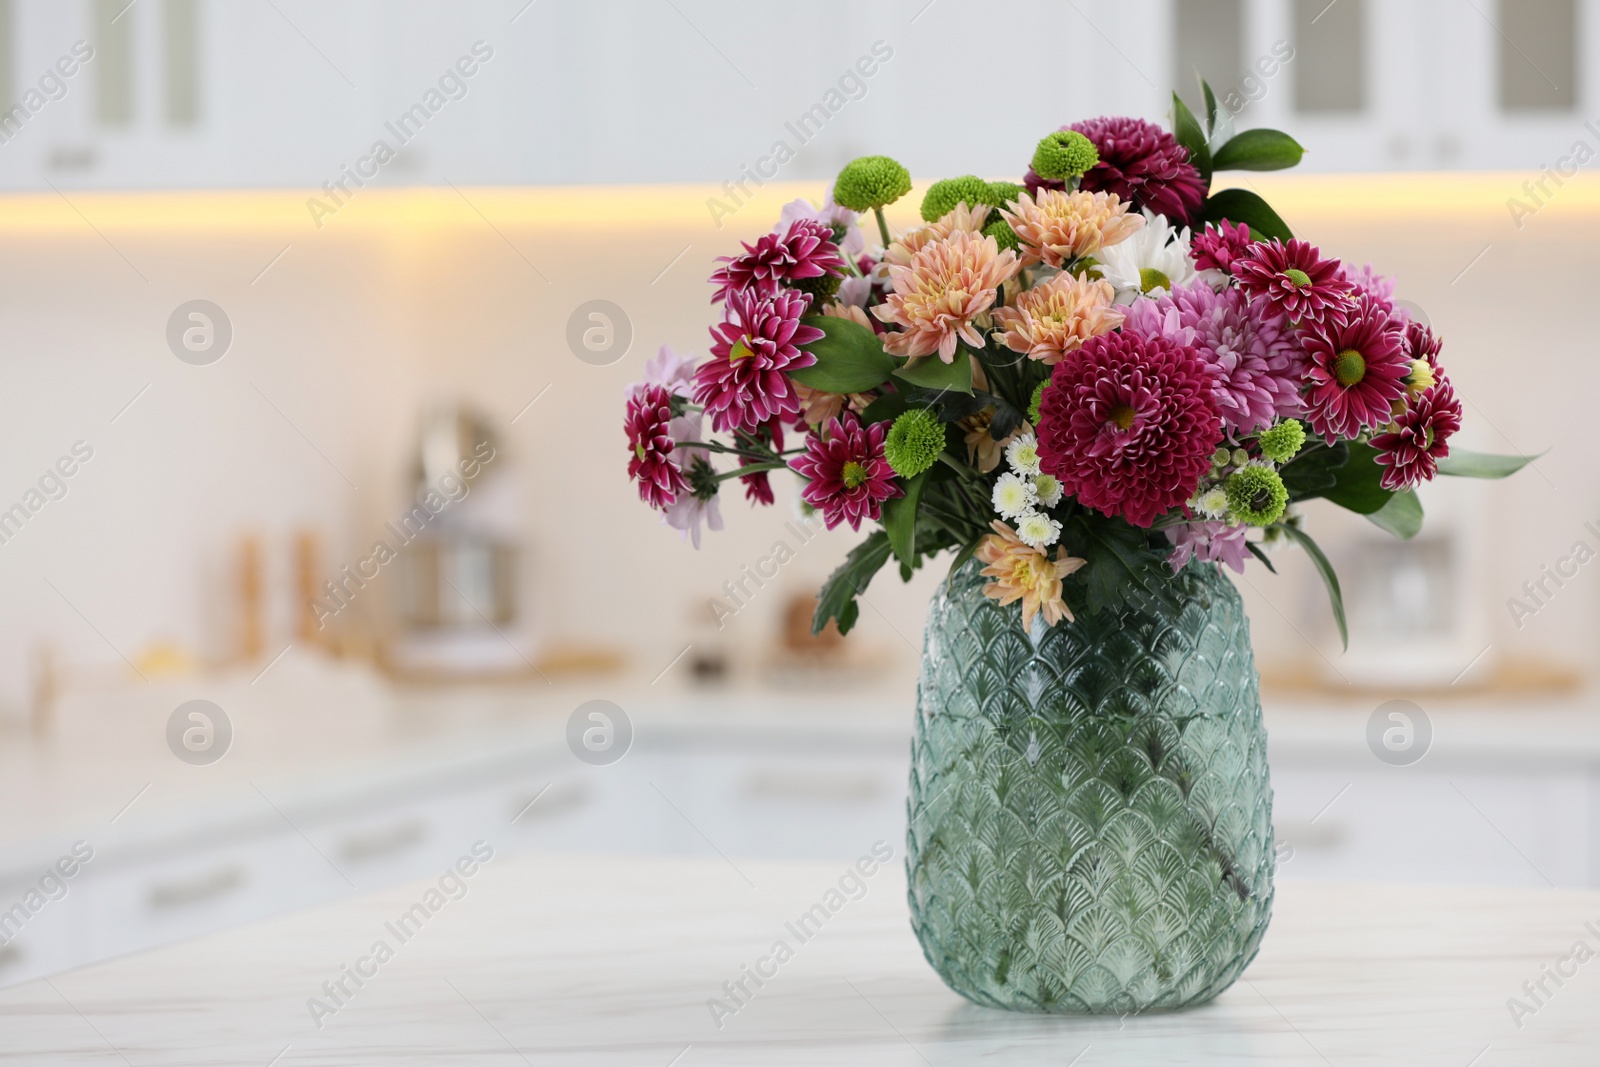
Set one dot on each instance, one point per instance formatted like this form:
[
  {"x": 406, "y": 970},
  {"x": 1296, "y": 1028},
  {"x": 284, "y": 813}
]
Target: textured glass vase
[{"x": 1090, "y": 814}]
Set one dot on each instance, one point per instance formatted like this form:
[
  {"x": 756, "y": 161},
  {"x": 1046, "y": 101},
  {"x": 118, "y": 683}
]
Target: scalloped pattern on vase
[{"x": 1090, "y": 815}]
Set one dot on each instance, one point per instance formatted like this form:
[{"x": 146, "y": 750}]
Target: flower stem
[
  {"x": 754, "y": 468},
  {"x": 883, "y": 226}
]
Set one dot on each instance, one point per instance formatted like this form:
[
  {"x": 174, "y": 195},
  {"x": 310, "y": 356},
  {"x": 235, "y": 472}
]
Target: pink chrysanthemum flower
[
  {"x": 1208, "y": 541},
  {"x": 668, "y": 369},
  {"x": 935, "y": 298},
  {"x": 1256, "y": 361},
  {"x": 1419, "y": 437},
  {"x": 1142, "y": 163},
  {"x": 1055, "y": 227},
  {"x": 804, "y": 250},
  {"x": 849, "y": 478},
  {"x": 1219, "y": 245},
  {"x": 1296, "y": 280},
  {"x": 841, "y": 221},
  {"x": 1129, "y": 425},
  {"x": 1058, "y": 316},
  {"x": 743, "y": 384},
  {"x": 1357, "y": 371},
  {"x": 1369, "y": 281},
  {"x": 650, "y": 447}
]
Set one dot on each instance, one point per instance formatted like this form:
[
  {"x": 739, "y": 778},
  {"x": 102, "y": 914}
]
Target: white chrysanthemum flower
[
  {"x": 1048, "y": 489},
  {"x": 1013, "y": 497},
  {"x": 1150, "y": 262},
  {"x": 1038, "y": 530},
  {"x": 1023, "y": 454},
  {"x": 1213, "y": 503}
]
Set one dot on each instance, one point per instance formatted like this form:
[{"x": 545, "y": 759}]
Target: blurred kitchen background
[{"x": 242, "y": 345}]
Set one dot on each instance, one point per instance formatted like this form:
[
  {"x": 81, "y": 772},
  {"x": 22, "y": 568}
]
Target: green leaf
[
  {"x": 931, "y": 372},
  {"x": 887, "y": 408},
  {"x": 837, "y": 600},
  {"x": 966, "y": 553},
  {"x": 1259, "y": 150},
  {"x": 1186, "y": 128},
  {"x": 1241, "y": 205},
  {"x": 850, "y": 358},
  {"x": 1401, "y": 516},
  {"x": 1258, "y": 553},
  {"x": 1356, "y": 484},
  {"x": 1121, "y": 566},
  {"x": 1314, "y": 470},
  {"x": 1329, "y": 578},
  {"x": 1211, "y": 109},
  {"x": 1461, "y": 463},
  {"x": 900, "y": 520}
]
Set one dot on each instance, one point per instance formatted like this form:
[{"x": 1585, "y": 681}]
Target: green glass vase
[{"x": 1090, "y": 814}]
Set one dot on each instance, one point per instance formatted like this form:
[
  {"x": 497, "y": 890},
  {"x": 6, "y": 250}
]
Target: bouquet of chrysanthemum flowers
[{"x": 1088, "y": 379}]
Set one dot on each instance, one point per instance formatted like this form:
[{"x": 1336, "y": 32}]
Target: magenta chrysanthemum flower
[
  {"x": 1256, "y": 362},
  {"x": 1218, "y": 246},
  {"x": 1208, "y": 541},
  {"x": 1411, "y": 450},
  {"x": 1129, "y": 425},
  {"x": 650, "y": 447},
  {"x": 1141, "y": 162},
  {"x": 1357, "y": 371},
  {"x": 804, "y": 250},
  {"x": 743, "y": 384},
  {"x": 850, "y": 479},
  {"x": 1421, "y": 343},
  {"x": 1296, "y": 279},
  {"x": 757, "y": 486}
]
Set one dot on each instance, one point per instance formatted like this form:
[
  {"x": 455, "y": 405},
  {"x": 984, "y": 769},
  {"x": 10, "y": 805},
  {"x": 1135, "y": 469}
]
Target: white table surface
[{"x": 591, "y": 960}]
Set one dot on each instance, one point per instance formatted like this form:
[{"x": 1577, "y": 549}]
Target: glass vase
[{"x": 1090, "y": 816}]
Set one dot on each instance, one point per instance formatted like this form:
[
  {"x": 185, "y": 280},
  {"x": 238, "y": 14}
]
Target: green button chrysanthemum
[
  {"x": 999, "y": 194},
  {"x": 1033, "y": 405},
  {"x": 1003, "y": 234},
  {"x": 914, "y": 442},
  {"x": 1256, "y": 495},
  {"x": 871, "y": 182},
  {"x": 1064, "y": 154},
  {"x": 1281, "y": 443},
  {"x": 942, "y": 197}
]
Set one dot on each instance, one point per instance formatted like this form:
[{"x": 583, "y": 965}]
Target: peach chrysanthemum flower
[
  {"x": 983, "y": 451},
  {"x": 848, "y": 311},
  {"x": 947, "y": 284},
  {"x": 1056, "y": 227},
  {"x": 960, "y": 217},
  {"x": 817, "y": 406},
  {"x": 1058, "y": 316},
  {"x": 1024, "y": 573}
]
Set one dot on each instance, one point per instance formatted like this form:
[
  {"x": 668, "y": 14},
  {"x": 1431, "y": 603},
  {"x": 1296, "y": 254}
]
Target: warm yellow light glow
[{"x": 1473, "y": 196}]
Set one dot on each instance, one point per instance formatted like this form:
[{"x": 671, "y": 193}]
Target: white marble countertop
[{"x": 567, "y": 960}]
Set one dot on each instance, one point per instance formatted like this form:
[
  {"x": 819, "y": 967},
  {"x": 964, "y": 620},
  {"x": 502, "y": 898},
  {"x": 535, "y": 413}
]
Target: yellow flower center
[
  {"x": 1121, "y": 416},
  {"x": 853, "y": 474},
  {"x": 1150, "y": 278},
  {"x": 1421, "y": 377},
  {"x": 1297, "y": 277},
  {"x": 740, "y": 350},
  {"x": 1349, "y": 367}
]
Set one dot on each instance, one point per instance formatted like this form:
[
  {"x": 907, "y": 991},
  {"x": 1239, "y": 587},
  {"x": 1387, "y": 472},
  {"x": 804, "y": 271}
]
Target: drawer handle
[
  {"x": 197, "y": 890},
  {"x": 375, "y": 845},
  {"x": 549, "y": 802},
  {"x": 789, "y": 786}
]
